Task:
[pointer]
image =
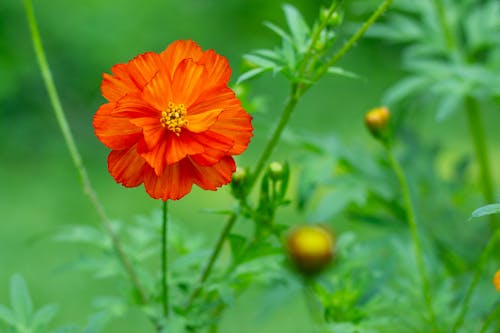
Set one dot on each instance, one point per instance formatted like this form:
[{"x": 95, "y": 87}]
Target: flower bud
[
  {"x": 238, "y": 182},
  {"x": 334, "y": 19},
  {"x": 311, "y": 248},
  {"x": 377, "y": 121},
  {"x": 275, "y": 171},
  {"x": 496, "y": 280}
]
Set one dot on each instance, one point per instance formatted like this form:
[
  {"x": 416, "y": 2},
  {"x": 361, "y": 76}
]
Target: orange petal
[
  {"x": 114, "y": 132},
  {"x": 233, "y": 122},
  {"x": 169, "y": 150},
  {"x": 212, "y": 177},
  {"x": 127, "y": 167},
  {"x": 215, "y": 147},
  {"x": 158, "y": 92},
  {"x": 202, "y": 121},
  {"x": 178, "y": 51},
  {"x": 217, "y": 67},
  {"x": 189, "y": 81},
  {"x": 130, "y": 77},
  {"x": 174, "y": 183}
]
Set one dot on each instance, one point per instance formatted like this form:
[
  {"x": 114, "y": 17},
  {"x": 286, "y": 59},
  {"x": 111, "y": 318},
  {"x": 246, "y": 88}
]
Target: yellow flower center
[{"x": 173, "y": 117}]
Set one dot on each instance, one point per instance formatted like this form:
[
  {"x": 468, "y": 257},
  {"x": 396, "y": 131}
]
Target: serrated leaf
[
  {"x": 44, "y": 315},
  {"x": 7, "y": 316},
  {"x": 20, "y": 299},
  {"x": 342, "y": 72},
  {"x": 486, "y": 210},
  {"x": 250, "y": 74},
  {"x": 298, "y": 27}
]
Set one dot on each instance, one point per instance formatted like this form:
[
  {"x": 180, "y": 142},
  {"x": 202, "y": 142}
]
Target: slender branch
[
  {"x": 164, "y": 259},
  {"x": 412, "y": 222},
  {"x": 480, "y": 147},
  {"x": 475, "y": 279},
  {"x": 215, "y": 253},
  {"x": 491, "y": 318},
  {"x": 295, "y": 93},
  {"x": 73, "y": 150},
  {"x": 350, "y": 43}
]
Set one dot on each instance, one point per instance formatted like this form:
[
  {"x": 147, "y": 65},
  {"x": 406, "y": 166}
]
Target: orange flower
[{"x": 171, "y": 121}]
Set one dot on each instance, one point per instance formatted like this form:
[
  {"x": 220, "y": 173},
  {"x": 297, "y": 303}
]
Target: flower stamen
[{"x": 173, "y": 117}]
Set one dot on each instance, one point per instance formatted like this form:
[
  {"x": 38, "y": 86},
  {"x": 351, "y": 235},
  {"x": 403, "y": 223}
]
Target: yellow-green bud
[
  {"x": 377, "y": 121},
  {"x": 275, "y": 170},
  {"x": 311, "y": 248},
  {"x": 333, "y": 19}
]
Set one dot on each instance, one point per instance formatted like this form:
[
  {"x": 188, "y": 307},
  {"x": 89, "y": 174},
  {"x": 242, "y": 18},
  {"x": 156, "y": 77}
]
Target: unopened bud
[
  {"x": 377, "y": 121},
  {"x": 334, "y": 19},
  {"x": 275, "y": 170},
  {"x": 311, "y": 248},
  {"x": 238, "y": 182},
  {"x": 496, "y": 280}
]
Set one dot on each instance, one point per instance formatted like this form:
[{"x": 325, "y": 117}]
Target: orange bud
[
  {"x": 311, "y": 248},
  {"x": 496, "y": 280},
  {"x": 377, "y": 121}
]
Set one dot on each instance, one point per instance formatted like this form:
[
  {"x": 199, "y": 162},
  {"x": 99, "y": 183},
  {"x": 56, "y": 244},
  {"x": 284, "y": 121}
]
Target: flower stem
[
  {"x": 481, "y": 150},
  {"x": 350, "y": 43},
  {"x": 73, "y": 150},
  {"x": 412, "y": 222},
  {"x": 475, "y": 279},
  {"x": 215, "y": 253},
  {"x": 164, "y": 259}
]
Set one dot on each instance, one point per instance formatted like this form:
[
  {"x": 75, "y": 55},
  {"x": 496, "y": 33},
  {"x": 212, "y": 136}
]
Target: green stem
[
  {"x": 73, "y": 150},
  {"x": 481, "y": 150},
  {"x": 215, "y": 253},
  {"x": 350, "y": 43},
  {"x": 412, "y": 223},
  {"x": 296, "y": 91},
  {"x": 491, "y": 317},
  {"x": 164, "y": 259},
  {"x": 475, "y": 279}
]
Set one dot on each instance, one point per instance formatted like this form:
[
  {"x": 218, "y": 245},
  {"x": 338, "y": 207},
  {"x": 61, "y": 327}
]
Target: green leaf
[
  {"x": 280, "y": 32},
  {"x": 260, "y": 61},
  {"x": 405, "y": 88},
  {"x": 342, "y": 72},
  {"x": 448, "y": 104},
  {"x": 96, "y": 323},
  {"x": 237, "y": 244},
  {"x": 7, "y": 316},
  {"x": 44, "y": 316},
  {"x": 250, "y": 74},
  {"x": 486, "y": 210},
  {"x": 272, "y": 55},
  {"x": 298, "y": 27},
  {"x": 20, "y": 299}
]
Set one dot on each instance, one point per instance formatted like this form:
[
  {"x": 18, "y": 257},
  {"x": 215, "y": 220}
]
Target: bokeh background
[{"x": 39, "y": 187}]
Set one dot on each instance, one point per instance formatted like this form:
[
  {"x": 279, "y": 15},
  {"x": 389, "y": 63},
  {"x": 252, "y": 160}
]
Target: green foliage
[
  {"x": 448, "y": 58},
  {"x": 486, "y": 210}
]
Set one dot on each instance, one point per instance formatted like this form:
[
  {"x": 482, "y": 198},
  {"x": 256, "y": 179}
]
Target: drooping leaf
[{"x": 342, "y": 72}]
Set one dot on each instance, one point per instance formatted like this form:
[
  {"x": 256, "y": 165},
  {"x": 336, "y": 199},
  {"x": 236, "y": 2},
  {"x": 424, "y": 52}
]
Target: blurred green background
[{"x": 39, "y": 188}]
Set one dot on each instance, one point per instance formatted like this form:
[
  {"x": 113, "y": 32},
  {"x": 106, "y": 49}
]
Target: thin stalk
[
  {"x": 215, "y": 253},
  {"x": 73, "y": 150},
  {"x": 491, "y": 317},
  {"x": 295, "y": 93},
  {"x": 412, "y": 223},
  {"x": 350, "y": 43},
  {"x": 481, "y": 150},
  {"x": 475, "y": 279},
  {"x": 164, "y": 259}
]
